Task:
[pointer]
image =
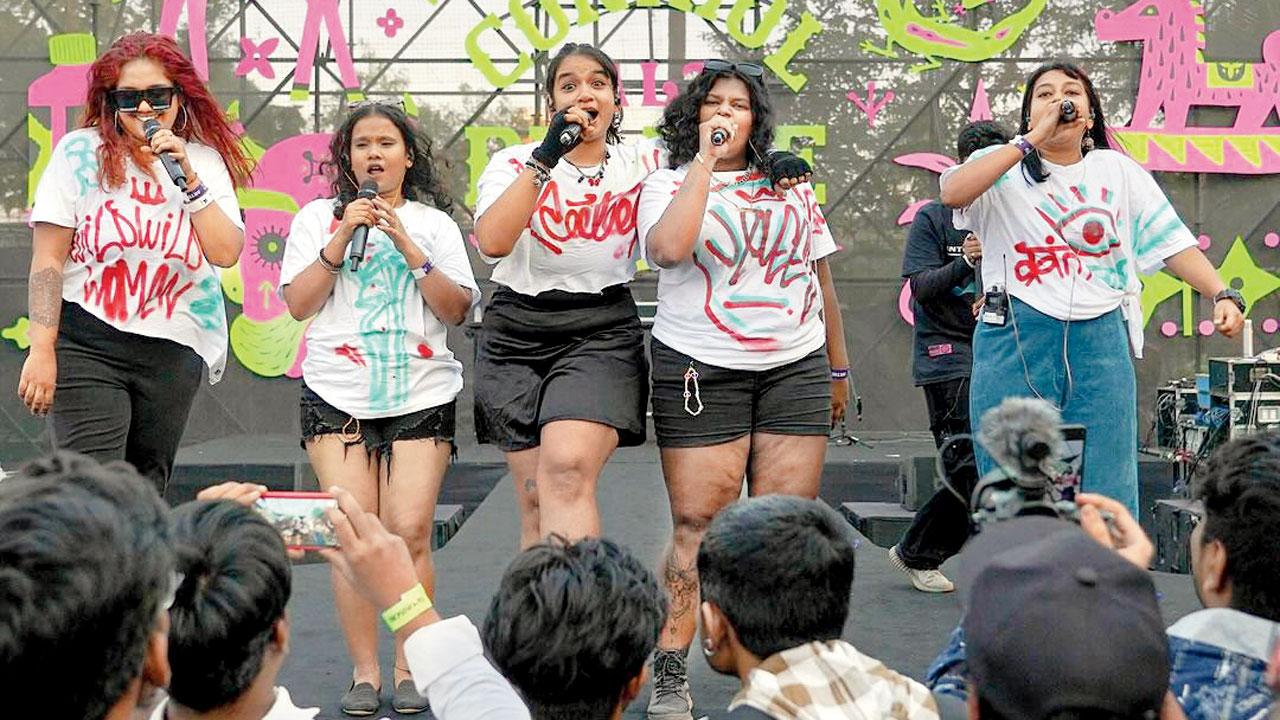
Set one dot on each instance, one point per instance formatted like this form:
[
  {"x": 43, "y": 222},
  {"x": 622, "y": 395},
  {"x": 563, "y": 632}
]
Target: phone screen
[{"x": 300, "y": 518}]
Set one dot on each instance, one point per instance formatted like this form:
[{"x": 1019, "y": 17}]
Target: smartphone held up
[{"x": 300, "y": 518}]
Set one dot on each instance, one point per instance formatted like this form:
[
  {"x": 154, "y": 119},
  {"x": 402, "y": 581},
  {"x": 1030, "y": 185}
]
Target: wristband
[
  {"x": 200, "y": 202},
  {"x": 839, "y": 373},
  {"x": 541, "y": 173},
  {"x": 703, "y": 162},
  {"x": 421, "y": 272},
  {"x": 196, "y": 192},
  {"x": 412, "y": 603},
  {"x": 1022, "y": 144}
]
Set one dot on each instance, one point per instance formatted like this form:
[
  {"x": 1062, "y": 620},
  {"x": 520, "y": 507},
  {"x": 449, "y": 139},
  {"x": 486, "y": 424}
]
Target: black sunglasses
[
  {"x": 751, "y": 70},
  {"x": 159, "y": 98}
]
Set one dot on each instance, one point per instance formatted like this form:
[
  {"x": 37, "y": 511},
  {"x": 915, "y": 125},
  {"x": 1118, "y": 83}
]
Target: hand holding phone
[{"x": 300, "y": 518}]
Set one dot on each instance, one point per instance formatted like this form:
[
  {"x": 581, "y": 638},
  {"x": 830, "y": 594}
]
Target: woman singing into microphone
[
  {"x": 1066, "y": 226},
  {"x": 561, "y": 376},
  {"x": 750, "y": 369},
  {"x": 124, "y": 302},
  {"x": 379, "y": 381}
]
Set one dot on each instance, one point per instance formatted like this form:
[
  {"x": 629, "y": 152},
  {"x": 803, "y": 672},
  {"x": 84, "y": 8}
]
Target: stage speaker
[
  {"x": 1174, "y": 519},
  {"x": 917, "y": 480}
]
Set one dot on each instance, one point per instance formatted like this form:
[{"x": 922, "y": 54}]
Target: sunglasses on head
[
  {"x": 397, "y": 103},
  {"x": 751, "y": 70},
  {"x": 159, "y": 98}
]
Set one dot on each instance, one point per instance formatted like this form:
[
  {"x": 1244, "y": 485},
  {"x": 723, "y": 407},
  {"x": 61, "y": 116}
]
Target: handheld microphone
[
  {"x": 360, "y": 236},
  {"x": 150, "y": 127},
  {"x": 572, "y": 134},
  {"x": 719, "y": 136},
  {"x": 1068, "y": 110}
]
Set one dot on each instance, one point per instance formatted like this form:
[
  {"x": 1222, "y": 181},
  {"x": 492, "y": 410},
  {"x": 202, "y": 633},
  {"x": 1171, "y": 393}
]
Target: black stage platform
[{"x": 889, "y": 620}]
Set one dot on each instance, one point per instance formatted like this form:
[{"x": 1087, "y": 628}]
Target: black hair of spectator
[
  {"x": 980, "y": 134},
  {"x": 781, "y": 569},
  {"x": 1240, "y": 488},
  {"x": 680, "y": 119},
  {"x": 571, "y": 624},
  {"x": 236, "y": 584},
  {"x": 86, "y": 567},
  {"x": 986, "y": 712}
]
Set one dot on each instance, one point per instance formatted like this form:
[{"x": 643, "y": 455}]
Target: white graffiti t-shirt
[
  {"x": 582, "y": 236},
  {"x": 375, "y": 349},
  {"x": 1072, "y": 247},
  {"x": 749, "y": 298},
  {"x": 135, "y": 262}
]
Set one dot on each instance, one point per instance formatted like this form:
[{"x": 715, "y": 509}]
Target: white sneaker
[{"x": 930, "y": 581}]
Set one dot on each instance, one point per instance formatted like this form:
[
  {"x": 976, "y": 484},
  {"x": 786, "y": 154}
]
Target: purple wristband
[{"x": 1022, "y": 144}]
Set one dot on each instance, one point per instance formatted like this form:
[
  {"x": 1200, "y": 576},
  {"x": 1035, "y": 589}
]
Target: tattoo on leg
[
  {"x": 530, "y": 485},
  {"x": 682, "y": 586},
  {"x": 44, "y": 297}
]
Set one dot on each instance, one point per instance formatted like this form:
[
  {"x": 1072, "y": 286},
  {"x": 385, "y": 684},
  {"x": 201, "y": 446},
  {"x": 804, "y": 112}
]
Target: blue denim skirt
[{"x": 1102, "y": 394}]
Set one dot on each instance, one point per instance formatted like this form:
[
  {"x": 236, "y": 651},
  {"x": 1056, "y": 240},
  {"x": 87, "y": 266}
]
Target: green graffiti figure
[{"x": 932, "y": 37}]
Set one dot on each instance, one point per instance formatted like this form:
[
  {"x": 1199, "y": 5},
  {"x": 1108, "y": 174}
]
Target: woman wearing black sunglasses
[
  {"x": 124, "y": 301},
  {"x": 749, "y": 363}
]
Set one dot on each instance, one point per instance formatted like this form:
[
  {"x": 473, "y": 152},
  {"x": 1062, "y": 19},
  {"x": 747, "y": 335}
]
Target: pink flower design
[
  {"x": 255, "y": 57},
  {"x": 391, "y": 22}
]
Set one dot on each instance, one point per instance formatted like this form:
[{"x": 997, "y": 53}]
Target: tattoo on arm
[{"x": 44, "y": 297}]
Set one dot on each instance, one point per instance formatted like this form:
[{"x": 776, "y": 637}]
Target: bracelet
[
  {"x": 421, "y": 272},
  {"x": 1022, "y": 144},
  {"x": 703, "y": 162},
  {"x": 412, "y": 603},
  {"x": 324, "y": 262},
  {"x": 196, "y": 193},
  {"x": 200, "y": 202},
  {"x": 839, "y": 373},
  {"x": 541, "y": 173}
]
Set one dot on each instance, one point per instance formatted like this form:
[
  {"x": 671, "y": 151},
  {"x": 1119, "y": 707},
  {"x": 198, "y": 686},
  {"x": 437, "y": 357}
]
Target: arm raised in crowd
[{"x": 445, "y": 657}]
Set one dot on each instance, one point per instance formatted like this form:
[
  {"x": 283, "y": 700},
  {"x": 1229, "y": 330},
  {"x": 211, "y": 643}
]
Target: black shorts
[
  {"x": 377, "y": 434},
  {"x": 793, "y": 399},
  {"x": 560, "y": 356}
]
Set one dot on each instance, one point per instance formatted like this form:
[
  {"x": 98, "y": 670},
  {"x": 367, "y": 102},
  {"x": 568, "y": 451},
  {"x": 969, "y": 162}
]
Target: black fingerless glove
[
  {"x": 550, "y": 151},
  {"x": 783, "y": 164}
]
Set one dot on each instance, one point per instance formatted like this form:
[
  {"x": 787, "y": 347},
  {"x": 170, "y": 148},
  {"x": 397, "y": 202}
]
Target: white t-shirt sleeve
[
  {"x": 973, "y": 216},
  {"x": 306, "y": 236},
  {"x": 57, "y": 191},
  {"x": 823, "y": 243},
  {"x": 656, "y": 195},
  {"x": 447, "y": 662},
  {"x": 450, "y": 255},
  {"x": 496, "y": 178},
  {"x": 1157, "y": 231},
  {"x": 213, "y": 173}
]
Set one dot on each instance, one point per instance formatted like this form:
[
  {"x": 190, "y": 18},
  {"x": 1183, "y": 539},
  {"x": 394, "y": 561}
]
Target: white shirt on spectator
[
  {"x": 581, "y": 237},
  {"x": 1072, "y": 246},
  {"x": 449, "y": 668},
  {"x": 282, "y": 709},
  {"x": 135, "y": 261},
  {"x": 375, "y": 349},
  {"x": 749, "y": 297}
]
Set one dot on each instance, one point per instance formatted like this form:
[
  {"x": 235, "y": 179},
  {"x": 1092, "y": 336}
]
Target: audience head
[
  {"x": 227, "y": 623},
  {"x": 572, "y": 625},
  {"x": 977, "y": 135},
  {"x": 776, "y": 573},
  {"x": 1058, "y": 626},
  {"x": 1234, "y": 550},
  {"x": 86, "y": 574}
]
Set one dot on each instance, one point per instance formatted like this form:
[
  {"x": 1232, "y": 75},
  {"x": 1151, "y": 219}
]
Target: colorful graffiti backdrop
[{"x": 872, "y": 91}]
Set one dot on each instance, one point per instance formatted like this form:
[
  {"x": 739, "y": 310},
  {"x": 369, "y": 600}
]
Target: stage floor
[{"x": 889, "y": 620}]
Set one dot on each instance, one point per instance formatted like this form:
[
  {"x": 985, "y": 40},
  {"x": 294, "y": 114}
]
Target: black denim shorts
[
  {"x": 725, "y": 404},
  {"x": 377, "y": 434}
]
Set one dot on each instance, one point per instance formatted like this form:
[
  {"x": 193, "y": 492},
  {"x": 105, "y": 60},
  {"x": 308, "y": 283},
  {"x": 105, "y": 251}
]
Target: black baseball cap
[{"x": 1058, "y": 622}]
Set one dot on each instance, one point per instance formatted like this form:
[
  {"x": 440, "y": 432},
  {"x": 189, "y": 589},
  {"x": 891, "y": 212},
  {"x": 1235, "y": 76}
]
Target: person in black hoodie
[{"x": 941, "y": 263}]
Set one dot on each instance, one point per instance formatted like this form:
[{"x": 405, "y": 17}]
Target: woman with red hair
[{"x": 124, "y": 302}]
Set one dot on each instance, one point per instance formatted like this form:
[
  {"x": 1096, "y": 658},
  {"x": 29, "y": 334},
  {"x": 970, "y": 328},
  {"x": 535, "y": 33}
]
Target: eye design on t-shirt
[
  {"x": 1085, "y": 222},
  {"x": 268, "y": 245}
]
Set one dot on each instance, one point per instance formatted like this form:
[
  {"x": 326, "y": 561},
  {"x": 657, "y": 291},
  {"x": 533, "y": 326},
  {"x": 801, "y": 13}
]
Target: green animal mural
[{"x": 938, "y": 36}]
